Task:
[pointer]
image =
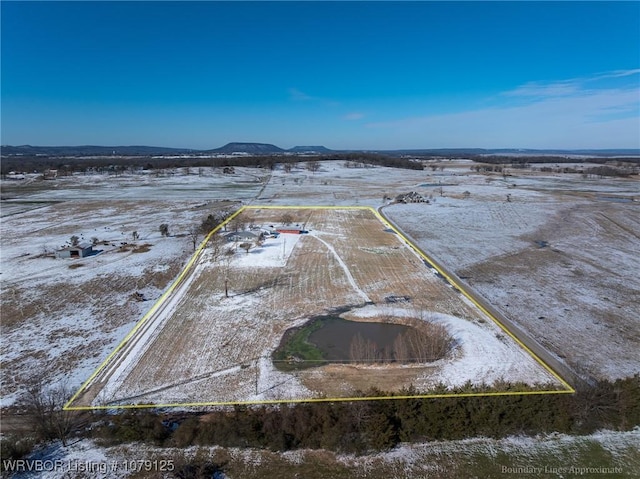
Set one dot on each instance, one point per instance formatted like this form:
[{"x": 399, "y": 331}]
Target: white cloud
[
  {"x": 535, "y": 89},
  {"x": 297, "y": 95},
  {"x": 561, "y": 114},
  {"x": 300, "y": 96},
  {"x": 353, "y": 116},
  {"x": 618, "y": 74}
]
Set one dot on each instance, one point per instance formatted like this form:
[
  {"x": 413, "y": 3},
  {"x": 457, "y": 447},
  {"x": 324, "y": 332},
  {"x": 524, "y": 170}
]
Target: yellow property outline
[{"x": 187, "y": 269}]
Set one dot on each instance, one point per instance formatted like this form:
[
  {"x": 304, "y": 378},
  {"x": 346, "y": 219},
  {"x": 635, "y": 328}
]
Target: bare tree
[
  {"x": 74, "y": 240},
  {"x": 357, "y": 348},
  {"x": 209, "y": 223},
  {"x": 363, "y": 350},
  {"x": 164, "y": 229},
  {"x": 287, "y": 167},
  {"x": 400, "y": 349},
  {"x": 216, "y": 247},
  {"x": 286, "y": 219},
  {"x": 237, "y": 224},
  {"x": 194, "y": 235},
  {"x": 313, "y": 166},
  {"x": 45, "y": 410},
  {"x": 135, "y": 236},
  {"x": 371, "y": 351}
]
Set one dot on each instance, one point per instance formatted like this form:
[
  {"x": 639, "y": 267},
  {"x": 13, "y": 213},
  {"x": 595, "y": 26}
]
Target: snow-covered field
[
  {"x": 557, "y": 259},
  {"x": 62, "y": 317},
  {"x": 203, "y": 347},
  {"x": 484, "y": 354},
  {"x": 577, "y": 294},
  {"x": 182, "y": 184}
]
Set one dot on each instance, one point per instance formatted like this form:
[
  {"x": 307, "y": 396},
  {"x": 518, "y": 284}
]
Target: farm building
[
  {"x": 411, "y": 197},
  {"x": 241, "y": 236},
  {"x": 80, "y": 251}
]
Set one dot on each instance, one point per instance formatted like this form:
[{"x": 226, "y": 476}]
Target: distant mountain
[
  {"x": 608, "y": 152},
  {"x": 453, "y": 152},
  {"x": 509, "y": 152},
  {"x": 309, "y": 149},
  {"x": 258, "y": 149},
  {"x": 436, "y": 151},
  {"x": 250, "y": 148}
]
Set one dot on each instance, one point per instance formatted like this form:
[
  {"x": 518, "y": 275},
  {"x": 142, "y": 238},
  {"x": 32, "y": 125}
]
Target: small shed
[{"x": 81, "y": 250}]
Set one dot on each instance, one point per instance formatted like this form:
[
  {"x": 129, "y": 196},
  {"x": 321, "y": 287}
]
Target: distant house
[
  {"x": 411, "y": 197},
  {"x": 241, "y": 236},
  {"x": 80, "y": 251},
  {"x": 15, "y": 176},
  {"x": 50, "y": 174}
]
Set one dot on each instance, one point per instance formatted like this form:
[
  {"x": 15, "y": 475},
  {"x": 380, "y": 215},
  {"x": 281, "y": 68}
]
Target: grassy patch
[
  {"x": 143, "y": 248},
  {"x": 295, "y": 349},
  {"x": 581, "y": 458},
  {"x": 486, "y": 459}
]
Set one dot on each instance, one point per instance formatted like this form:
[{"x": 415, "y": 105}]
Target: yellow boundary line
[{"x": 68, "y": 406}]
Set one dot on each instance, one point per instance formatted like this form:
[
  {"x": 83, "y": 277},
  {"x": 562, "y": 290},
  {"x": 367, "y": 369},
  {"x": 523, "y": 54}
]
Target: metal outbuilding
[{"x": 81, "y": 250}]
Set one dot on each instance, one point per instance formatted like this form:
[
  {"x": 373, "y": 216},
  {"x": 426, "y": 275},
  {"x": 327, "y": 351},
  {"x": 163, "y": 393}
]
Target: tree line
[
  {"x": 347, "y": 426},
  {"x": 370, "y": 425},
  {"x": 116, "y": 165}
]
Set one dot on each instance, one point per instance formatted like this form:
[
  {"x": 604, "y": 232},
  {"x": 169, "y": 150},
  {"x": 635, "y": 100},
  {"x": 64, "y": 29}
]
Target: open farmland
[
  {"x": 559, "y": 257},
  {"x": 62, "y": 320},
  {"x": 203, "y": 347}
]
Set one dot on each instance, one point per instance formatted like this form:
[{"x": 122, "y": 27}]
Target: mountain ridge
[{"x": 270, "y": 149}]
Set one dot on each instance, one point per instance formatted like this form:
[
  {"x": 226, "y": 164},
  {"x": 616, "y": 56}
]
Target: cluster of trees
[
  {"x": 413, "y": 346},
  {"x": 482, "y": 167},
  {"x": 357, "y": 426},
  {"x": 513, "y": 161},
  {"x": 196, "y": 231},
  {"x": 601, "y": 171},
  {"x": 117, "y": 165},
  {"x": 363, "y": 426},
  {"x": 361, "y": 159}
]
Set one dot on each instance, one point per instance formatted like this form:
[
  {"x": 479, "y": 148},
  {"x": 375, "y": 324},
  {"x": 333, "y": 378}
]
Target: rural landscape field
[
  {"x": 147, "y": 321},
  {"x": 319, "y": 240},
  {"x": 346, "y": 262}
]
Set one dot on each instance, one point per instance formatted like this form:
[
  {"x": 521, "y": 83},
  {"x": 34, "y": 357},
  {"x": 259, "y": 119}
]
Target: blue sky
[{"x": 355, "y": 75}]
